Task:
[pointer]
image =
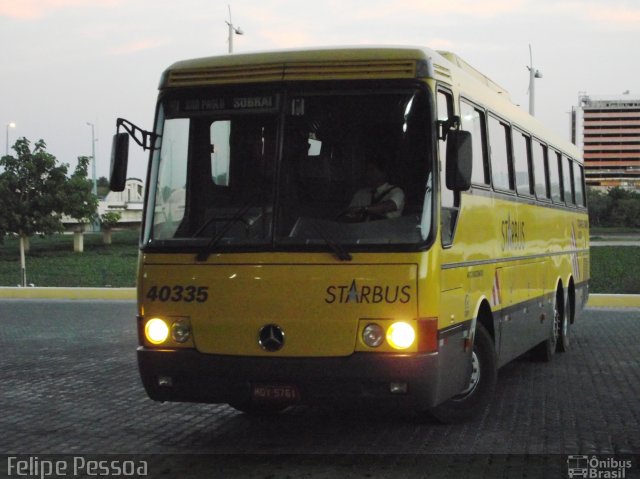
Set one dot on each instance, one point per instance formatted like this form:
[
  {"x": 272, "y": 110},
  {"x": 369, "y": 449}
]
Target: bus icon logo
[
  {"x": 597, "y": 467},
  {"x": 578, "y": 466}
]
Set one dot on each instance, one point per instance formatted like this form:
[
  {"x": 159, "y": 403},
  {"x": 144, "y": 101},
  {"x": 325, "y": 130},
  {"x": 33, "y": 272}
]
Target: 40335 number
[{"x": 188, "y": 294}]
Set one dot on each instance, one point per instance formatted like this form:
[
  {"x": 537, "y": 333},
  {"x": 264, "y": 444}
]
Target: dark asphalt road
[{"x": 69, "y": 385}]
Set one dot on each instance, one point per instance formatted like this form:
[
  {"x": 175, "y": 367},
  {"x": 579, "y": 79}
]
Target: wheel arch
[
  {"x": 484, "y": 316},
  {"x": 571, "y": 292},
  {"x": 559, "y": 293}
]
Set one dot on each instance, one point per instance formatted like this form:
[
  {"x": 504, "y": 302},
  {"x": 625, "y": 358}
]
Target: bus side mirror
[
  {"x": 119, "y": 160},
  {"x": 459, "y": 160}
]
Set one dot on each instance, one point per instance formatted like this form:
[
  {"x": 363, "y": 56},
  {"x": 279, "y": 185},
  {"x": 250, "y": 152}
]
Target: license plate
[{"x": 275, "y": 392}]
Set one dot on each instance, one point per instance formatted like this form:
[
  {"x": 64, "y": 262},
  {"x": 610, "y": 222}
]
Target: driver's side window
[{"x": 450, "y": 201}]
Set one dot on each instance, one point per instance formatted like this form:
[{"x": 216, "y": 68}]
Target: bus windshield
[{"x": 263, "y": 169}]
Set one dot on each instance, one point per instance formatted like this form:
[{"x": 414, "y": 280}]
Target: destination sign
[{"x": 227, "y": 104}]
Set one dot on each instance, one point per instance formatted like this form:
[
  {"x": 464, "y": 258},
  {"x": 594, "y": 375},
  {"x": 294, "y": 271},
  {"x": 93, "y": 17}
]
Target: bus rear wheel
[
  {"x": 564, "y": 328},
  {"x": 475, "y": 398},
  {"x": 545, "y": 350}
]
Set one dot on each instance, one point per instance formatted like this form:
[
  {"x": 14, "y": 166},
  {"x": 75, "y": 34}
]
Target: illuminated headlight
[
  {"x": 373, "y": 335},
  {"x": 401, "y": 335},
  {"x": 180, "y": 331},
  {"x": 156, "y": 331}
]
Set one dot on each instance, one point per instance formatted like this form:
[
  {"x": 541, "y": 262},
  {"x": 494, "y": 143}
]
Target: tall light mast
[
  {"x": 232, "y": 30},
  {"x": 533, "y": 74}
]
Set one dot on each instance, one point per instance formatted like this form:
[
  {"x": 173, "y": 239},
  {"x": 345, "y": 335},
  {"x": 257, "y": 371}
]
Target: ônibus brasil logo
[{"x": 594, "y": 467}]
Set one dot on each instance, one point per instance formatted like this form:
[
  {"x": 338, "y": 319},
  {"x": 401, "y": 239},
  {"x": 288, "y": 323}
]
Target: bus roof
[
  {"x": 374, "y": 61},
  {"x": 305, "y": 64},
  {"x": 360, "y": 62}
]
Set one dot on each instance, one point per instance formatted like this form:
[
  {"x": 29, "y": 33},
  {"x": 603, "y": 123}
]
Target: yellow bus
[{"x": 350, "y": 225}]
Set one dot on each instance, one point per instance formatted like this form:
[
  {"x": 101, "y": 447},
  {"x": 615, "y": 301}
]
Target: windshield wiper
[
  {"x": 341, "y": 253},
  {"x": 203, "y": 255}
]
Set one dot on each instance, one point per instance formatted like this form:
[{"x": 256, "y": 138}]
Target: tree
[
  {"x": 103, "y": 186},
  {"x": 626, "y": 212},
  {"x": 81, "y": 203},
  {"x": 617, "y": 193},
  {"x": 109, "y": 220},
  {"x": 103, "y": 181},
  {"x": 32, "y": 193},
  {"x": 599, "y": 206},
  {"x": 617, "y": 207}
]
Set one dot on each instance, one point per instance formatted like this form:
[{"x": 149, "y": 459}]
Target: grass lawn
[
  {"x": 52, "y": 262},
  {"x": 614, "y": 269}
]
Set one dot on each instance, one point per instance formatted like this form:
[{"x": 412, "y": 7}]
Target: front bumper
[{"x": 190, "y": 376}]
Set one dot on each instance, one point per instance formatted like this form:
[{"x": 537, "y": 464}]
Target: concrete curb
[
  {"x": 121, "y": 294},
  {"x": 129, "y": 294},
  {"x": 614, "y": 301}
]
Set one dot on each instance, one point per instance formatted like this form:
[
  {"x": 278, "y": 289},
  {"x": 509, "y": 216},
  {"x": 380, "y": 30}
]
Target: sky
[{"x": 66, "y": 63}]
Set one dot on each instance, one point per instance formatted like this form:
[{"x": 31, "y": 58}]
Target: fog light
[
  {"x": 156, "y": 331},
  {"x": 180, "y": 331},
  {"x": 373, "y": 335},
  {"x": 401, "y": 335}
]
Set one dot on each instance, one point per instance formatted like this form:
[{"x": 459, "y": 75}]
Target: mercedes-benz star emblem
[{"x": 271, "y": 338}]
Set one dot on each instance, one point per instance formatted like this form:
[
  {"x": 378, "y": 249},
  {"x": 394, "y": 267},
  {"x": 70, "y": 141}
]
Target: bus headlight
[
  {"x": 401, "y": 335},
  {"x": 180, "y": 331},
  {"x": 373, "y": 335},
  {"x": 156, "y": 331}
]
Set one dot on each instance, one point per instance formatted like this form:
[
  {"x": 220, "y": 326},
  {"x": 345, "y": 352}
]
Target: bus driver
[{"x": 378, "y": 200}]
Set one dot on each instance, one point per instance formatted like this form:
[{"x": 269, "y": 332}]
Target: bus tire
[
  {"x": 546, "y": 349},
  {"x": 564, "y": 328},
  {"x": 473, "y": 401}
]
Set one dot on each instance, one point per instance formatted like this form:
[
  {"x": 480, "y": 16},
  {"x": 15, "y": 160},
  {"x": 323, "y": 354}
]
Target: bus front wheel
[{"x": 475, "y": 398}]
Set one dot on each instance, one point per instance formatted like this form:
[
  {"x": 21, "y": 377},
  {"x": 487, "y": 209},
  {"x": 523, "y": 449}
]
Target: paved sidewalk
[
  {"x": 614, "y": 243},
  {"x": 68, "y": 293}
]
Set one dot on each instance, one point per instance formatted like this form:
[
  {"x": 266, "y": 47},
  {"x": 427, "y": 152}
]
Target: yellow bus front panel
[{"x": 318, "y": 307}]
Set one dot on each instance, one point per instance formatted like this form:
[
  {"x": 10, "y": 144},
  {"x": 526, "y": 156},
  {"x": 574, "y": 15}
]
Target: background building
[
  {"x": 128, "y": 203},
  {"x": 607, "y": 130}
]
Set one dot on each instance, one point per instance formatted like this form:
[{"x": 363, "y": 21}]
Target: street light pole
[
  {"x": 96, "y": 223},
  {"x": 232, "y": 30},
  {"x": 23, "y": 239},
  {"x": 93, "y": 158},
  {"x": 533, "y": 74},
  {"x": 9, "y": 125}
]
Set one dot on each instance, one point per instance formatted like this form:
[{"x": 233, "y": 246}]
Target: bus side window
[
  {"x": 474, "y": 122},
  {"x": 567, "y": 183},
  {"x": 554, "y": 176},
  {"x": 521, "y": 162},
  {"x": 450, "y": 201},
  {"x": 579, "y": 182},
  {"x": 540, "y": 170},
  {"x": 499, "y": 154}
]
